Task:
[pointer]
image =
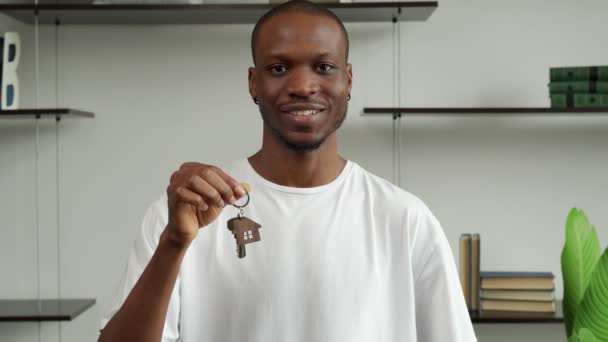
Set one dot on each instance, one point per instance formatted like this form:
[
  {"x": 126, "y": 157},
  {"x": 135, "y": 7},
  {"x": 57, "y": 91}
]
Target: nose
[{"x": 302, "y": 82}]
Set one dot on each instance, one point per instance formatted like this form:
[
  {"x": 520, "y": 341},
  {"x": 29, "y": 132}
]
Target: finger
[
  {"x": 190, "y": 165},
  {"x": 220, "y": 185},
  {"x": 237, "y": 188},
  {"x": 246, "y": 187},
  {"x": 184, "y": 195},
  {"x": 208, "y": 191}
]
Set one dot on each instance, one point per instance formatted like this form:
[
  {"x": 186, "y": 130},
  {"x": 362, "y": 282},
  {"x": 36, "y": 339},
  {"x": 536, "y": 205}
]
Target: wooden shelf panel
[
  {"x": 20, "y": 310},
  {"x": 481, "y": 111},
  {"x": 155, "y": 14},
  {"x": 45, "y": 112}
]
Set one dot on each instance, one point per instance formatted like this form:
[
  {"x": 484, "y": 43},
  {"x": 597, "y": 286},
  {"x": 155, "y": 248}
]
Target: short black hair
[{"x": 301, "y": 6}]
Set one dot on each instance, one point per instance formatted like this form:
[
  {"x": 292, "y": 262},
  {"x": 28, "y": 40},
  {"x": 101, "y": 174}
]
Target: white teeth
[{"x": 304, "y": 112}]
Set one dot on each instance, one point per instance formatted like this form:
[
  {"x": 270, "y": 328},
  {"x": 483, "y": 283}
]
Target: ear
[
  {"x": 251, "y": 77},
  {"x": 349, "y": 72}
]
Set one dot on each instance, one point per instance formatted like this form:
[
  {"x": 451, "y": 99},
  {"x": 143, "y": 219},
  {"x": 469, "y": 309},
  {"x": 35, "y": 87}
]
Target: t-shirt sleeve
[
  {"x": 441, "y": 312},
  {"x": 153, "y": 224}
]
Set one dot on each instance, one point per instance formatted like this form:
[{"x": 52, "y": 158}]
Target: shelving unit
[
  {"x": 32, "y": 310},
  {"x": 158, "y": 14},
  {"x": 39, "y": 310}
]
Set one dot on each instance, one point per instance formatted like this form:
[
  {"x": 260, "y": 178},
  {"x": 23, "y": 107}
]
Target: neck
[{"x": 281, "y": 165}]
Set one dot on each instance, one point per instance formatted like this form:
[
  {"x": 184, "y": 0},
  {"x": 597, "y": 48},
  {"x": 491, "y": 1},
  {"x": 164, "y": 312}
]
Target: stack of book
[
  {"x": 578, "y": 87},
  {"x": 526, "y": 292}
]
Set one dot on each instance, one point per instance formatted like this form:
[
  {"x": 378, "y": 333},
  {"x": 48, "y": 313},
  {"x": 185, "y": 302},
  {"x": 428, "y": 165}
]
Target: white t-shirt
[{"x": 357, "y": 259}]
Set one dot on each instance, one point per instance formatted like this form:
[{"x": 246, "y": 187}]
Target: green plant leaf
[
  {"x": 592, "y": 312},
  {"x": 585, "y": 335},
  {"x": 580, "y": 254}
]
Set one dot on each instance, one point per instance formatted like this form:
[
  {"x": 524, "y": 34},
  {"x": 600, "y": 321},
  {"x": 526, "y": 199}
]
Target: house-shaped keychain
[{"x": 245, "y": 231}]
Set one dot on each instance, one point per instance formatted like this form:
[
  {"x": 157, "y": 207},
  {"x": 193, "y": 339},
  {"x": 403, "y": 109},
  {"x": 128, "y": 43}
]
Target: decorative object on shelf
[
  {"x": 592, "y": 87},
  {"x": 572, "y": 100},
  {"x": 585, "y": 274},
  {"x": 578, "y": 87},
  {"x": 465, "y": 267},
  {"x": 475, "y": 265},
  {"x": 517, "y": 292},
  {"x": 505, "y": 296},
  {"x": 517, "y": 305},
  {"x": 579, "y": 73},
  {"x": 469, "y": 269},
  {"x": 11, "y": 53},
  {"x": 502, "y": 280},
  {"x": 518, "y": 295},
  {"x": 518, "y": 316}
]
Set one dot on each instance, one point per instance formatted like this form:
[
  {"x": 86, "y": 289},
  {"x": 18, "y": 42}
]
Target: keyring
[
  {"x": 240, "y": 207},
  {"x": 244, "y": 205}
]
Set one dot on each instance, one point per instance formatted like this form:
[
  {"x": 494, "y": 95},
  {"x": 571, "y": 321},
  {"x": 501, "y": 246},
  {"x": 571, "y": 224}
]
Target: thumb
[{"x": 246, "y": 186}]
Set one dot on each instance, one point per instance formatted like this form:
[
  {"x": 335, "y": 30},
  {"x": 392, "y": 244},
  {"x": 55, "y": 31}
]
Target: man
[{"x": 344, "y": 255}]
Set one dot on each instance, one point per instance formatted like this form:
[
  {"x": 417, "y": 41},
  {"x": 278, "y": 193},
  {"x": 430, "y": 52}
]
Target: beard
[{"x": 302, "y": 147}]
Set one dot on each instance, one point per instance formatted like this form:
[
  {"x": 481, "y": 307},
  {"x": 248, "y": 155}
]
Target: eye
[
  {"x": 278, "y": 69},
  {"x": 325, "y": 67}
]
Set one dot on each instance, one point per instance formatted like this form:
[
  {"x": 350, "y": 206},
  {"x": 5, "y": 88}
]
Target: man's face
[{"x": 301, "y": 78}]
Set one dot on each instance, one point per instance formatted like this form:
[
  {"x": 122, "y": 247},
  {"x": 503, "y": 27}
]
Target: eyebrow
[{"x": 283, "y": 56}]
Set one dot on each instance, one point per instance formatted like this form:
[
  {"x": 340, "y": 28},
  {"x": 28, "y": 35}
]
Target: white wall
[{"x": 167, "y": 94}]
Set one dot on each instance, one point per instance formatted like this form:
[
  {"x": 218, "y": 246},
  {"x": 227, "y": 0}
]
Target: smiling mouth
[{"x": 308, "y": 112}]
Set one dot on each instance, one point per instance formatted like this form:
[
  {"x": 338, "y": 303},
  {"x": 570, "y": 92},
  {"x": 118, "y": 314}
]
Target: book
[
  {"x": 465, "y": 267},
  {"x": 570, "y": 100},
  {"x": 562, "y": 100},
  {"x": 590, "y": 100},
  {"x": 475, "y": 263},
  {"x": 590, "y": 87},
  {"x": 518, "y": 315},
  {"x": 517, "y": 280},
  {"x": 508, "y": 305},
  {"x": 579, "y": 73},
  {"x": 541, "y": 296}
]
